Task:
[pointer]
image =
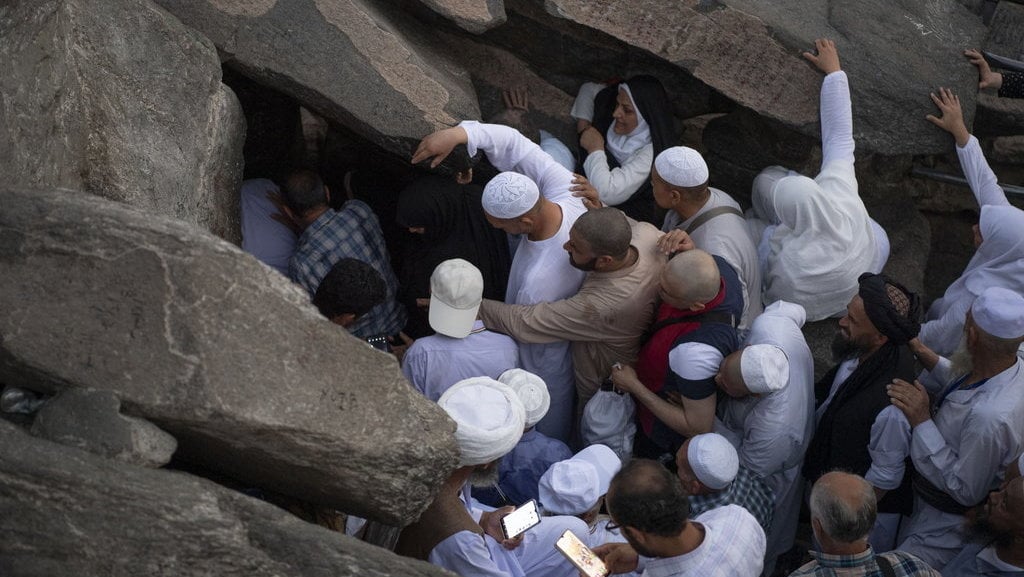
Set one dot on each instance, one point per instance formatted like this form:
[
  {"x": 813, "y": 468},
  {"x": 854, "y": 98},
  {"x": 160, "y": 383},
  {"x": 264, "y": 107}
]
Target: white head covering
[
  {"x": 823, "y": 242},
  {"x": 999, "y": 261},
  {"x": 489, "y": 415},
  {"x": 622, "y": 146},
  {"x": 573, "y": 486},
  {"x": 999, "y": 312},
  {"x": 510, "y": 195},
  {"x": 456, "y": 290},
  {"x": 765, "y": 368},
  {"x": 713, "y": 459},
  {"x": 532, "y": 392},
  {"x": 682, "y": 166}
]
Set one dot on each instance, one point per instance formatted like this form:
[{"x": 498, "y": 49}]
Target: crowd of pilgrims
[{"x": 620, "y": 307}]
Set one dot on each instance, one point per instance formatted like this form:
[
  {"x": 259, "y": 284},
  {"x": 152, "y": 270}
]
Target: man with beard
[
  {"x": 997, "y": 531},
  {"x": 489, "y": 421},
  {"x": 977, "y": 429},
  {"x": 652, "y": 511},
  {"x": 607, "y": 317},
  {"x": 857, "y": 429}
]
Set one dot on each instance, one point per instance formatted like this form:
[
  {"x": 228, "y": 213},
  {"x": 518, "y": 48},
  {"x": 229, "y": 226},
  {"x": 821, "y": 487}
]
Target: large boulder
[
  {"x": 216, "y": 349},
  {"x": 118, "y": 98},
  {"x": 476, "y": 16},
  {"x": 67, "y": 512},
  {"x": 352, "y": 62},
  {"x": 894, "y": 53},
  {"x": 1003, "y": 116}
]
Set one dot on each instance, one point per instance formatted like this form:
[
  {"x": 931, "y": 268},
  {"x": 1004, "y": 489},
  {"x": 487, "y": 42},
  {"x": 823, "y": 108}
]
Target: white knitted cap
[
  {"x": 573, "y": 486},
  {"x": 713, "y": 459},
  {"x": 489, "y": 416},
  {"x": 532, "y": 391},
  {"x": 765, "y": 368},
  {"x": 509, "y": 195},
  {"x": 999, "y": 312},
  {"x": 682, "y": 166}
]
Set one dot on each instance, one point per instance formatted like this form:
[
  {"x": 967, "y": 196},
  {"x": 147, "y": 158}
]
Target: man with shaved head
[
  {"x": 843, "y": 511},
  {"x": 606, "y": 319},
  {"x": 694, "y": 329}
]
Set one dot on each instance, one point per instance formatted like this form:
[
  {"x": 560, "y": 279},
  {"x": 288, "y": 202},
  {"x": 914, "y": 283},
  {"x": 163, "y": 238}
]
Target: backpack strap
[{"x": 704, "y": 217}]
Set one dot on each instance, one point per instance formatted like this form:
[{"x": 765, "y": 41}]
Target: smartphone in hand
[
  {"x": 524, "y": 517},
  {"x": 581, "y": 556}
]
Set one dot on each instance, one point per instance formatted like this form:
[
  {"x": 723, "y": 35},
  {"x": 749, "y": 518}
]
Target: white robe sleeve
[
  {"x": 508, "y": 150},
  {"x": 465, "y": 553},
  {"x": 616, "y": 185},
  {"x": 979, "y": 175},
  {"x": 837, "y": 144},
  {"x": 889, "y": 448}
]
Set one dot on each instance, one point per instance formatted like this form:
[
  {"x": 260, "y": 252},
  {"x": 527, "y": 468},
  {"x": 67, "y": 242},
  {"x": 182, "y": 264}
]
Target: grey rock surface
[
  {"x": 119, "y": 99},
  {"x": 90, "y": 420},
  {"x": 67, "y": 512},
  {"x": 894, "y": 53},
  {"x": 1002, "y": 116},
  {"x": 476, "y": 16},
  {"x": 352, "y": 62},
  {"x": 216, "y": 349}
]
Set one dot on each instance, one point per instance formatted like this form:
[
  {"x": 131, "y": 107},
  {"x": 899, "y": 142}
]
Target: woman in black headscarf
[
  {"x": 446, "y": 220},
  {"x": 629, "y": 125}
]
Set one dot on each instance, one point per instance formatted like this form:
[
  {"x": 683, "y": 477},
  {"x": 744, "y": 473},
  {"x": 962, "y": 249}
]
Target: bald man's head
[
  {"x": 690, "y": 280},
  {"x": 843, "y": 507}
]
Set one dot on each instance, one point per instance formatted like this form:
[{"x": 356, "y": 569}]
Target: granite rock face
[
  {"x": 352, "y": 62},
  {"x": 119, "y": 99},
  {"x": 216, "y": 349},
  {"x": 90, "y": 420},
  {"x": 750, "y": 51},
  {"x": 67, "y": 512},
  {"x": 476, "y": 16}
]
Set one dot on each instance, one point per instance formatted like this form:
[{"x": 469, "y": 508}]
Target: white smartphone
[
  {"x": 581, "y": 556},
  {"x": 524, "y": 517}
]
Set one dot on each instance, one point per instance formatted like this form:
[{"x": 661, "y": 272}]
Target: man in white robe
[
  {"x": 769, "y": 412},
  {"x": 976, "y": 431},
  {"x": 533, "y": 201},
  {"x": 489, "y": 419}
]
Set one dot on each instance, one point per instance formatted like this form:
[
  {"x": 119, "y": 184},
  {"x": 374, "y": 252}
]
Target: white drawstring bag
[{"x": 608, "y": 419}]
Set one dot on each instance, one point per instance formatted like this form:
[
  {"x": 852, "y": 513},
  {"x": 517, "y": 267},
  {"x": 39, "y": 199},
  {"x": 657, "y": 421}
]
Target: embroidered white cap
[
  {"x": 532, "y": 392},
  {"x": 682, "y": 166},
  {"x": 765, "y": 368},
  {"x": 510, "y": 195}
]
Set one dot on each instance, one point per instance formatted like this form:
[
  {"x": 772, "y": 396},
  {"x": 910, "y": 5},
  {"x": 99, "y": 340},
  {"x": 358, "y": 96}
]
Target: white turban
[
  {"x": 509, "y": 195},
  {"x": 713, "y": 459},
  {"x": 681, "y": 166},
  {"x": 490, "y": 419},
  {"x": 999, "y": 312},
  {"x": 532, "y": 392},
  {"x": 765, "y": 368}
]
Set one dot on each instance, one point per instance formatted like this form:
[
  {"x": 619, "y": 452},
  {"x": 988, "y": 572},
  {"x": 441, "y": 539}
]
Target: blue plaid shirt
[
  {"x": 864, "y": 565},
  {"x": 748, "y": 491},
  {"x": 352, "y": 232}
]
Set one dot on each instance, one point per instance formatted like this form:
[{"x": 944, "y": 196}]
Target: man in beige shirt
[{"x": 606, "y": 319}]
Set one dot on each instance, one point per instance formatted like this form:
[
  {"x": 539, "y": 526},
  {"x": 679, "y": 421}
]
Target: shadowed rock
[
  {"x": 119, "y": 99},
  {"x": 216, "y": 349},
  {"x": 894, "y": 53},
  {"x": 349, "y": 61},
  {"x": 476, "y": 16},
  {"x": 68, "y": 512}
]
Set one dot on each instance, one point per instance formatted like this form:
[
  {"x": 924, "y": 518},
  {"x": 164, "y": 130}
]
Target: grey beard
[
  {"x": 960, "y": 361},
  {"x": 484, "y": 477}
]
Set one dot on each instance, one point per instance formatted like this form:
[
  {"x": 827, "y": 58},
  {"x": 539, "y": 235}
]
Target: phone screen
[
  {"x": 520, "y": 520},
  {"x": 581, "y": 556}
]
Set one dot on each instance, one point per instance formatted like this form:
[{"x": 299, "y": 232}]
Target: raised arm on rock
[
  {"x": 986, "y": 78},
  {"x": 827, "y": 59},
  {"x": 952, "y": 119},
  {"x": 438, "y": 145}
]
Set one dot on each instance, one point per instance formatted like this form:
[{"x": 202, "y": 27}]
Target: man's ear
[
  {"x": 697, "y": 307},
  {"x": 327, "y": 194}
]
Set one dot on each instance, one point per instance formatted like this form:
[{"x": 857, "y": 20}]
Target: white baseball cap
[{"x": 456, "y": 290}]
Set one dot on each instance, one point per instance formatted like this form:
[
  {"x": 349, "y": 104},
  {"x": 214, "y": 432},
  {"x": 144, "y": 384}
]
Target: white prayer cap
[
  {"x": 489, "y": 416},
  {"x": 713, "y": 459},
  {"x": 532, "y": 391},
  {"x": 456, "y": 289},
  {"x": 999, "y": 312},
  {"x": 682, "y": 166},
  {"x": 573, "y": 486},
  {"x": 509, "y": 195},
  {"x": 765, "y": 368}
]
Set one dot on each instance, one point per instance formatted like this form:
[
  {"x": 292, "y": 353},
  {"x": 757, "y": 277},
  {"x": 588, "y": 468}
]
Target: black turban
[{"x": 893, "y": 309}]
